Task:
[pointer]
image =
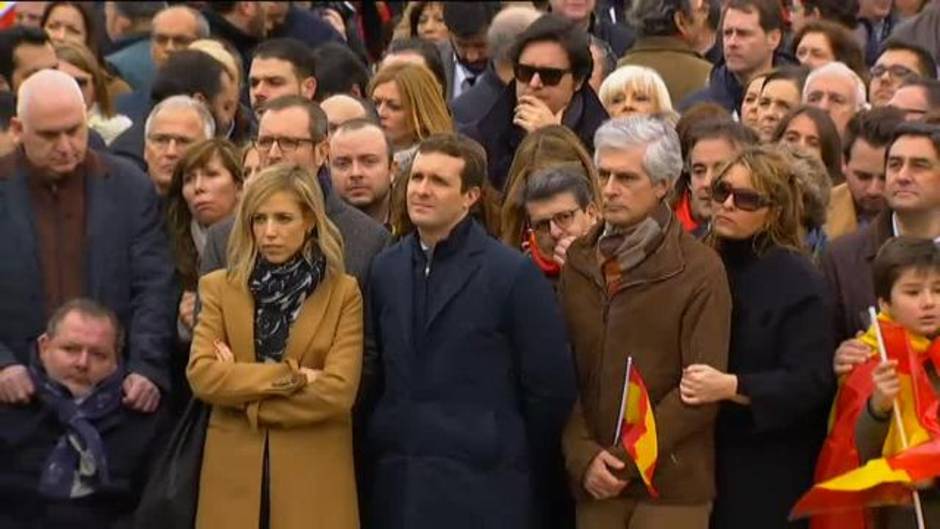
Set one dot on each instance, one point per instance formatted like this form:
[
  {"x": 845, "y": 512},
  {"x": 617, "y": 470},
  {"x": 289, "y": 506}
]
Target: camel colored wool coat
[{"x": 306, "y": 426}]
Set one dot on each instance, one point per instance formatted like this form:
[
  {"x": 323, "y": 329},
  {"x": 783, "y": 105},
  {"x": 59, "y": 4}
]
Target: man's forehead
[
  {"x": 176, "y": 118},
  {"x": 360, "y": 141},
  {"x": 291, "y": 119},
  {"x": 740, "y": 18},
  {"x": 271, "y": 66},
  {"x": 913, "y": 147},
  {"x": 175, "y": 21}
]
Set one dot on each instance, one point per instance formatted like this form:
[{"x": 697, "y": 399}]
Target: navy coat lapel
[
  {"x": 100, "y": 212},
  {"x": 404, "y": 286},
  {"x": 457, "y": 270},
  {"x": 16, "y": 205}
]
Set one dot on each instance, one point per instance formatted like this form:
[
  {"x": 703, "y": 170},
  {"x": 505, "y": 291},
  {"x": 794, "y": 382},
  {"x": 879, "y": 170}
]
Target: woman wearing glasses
[
  {"x": 277, "y": 353},
  {"x": 776, "y": 393}
]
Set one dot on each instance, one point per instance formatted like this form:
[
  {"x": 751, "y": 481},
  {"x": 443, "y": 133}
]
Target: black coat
[
  {"x": 477, "y": 100},
  {"x": 27, "y": 436},
  {"x": 500, "y": 137},
  {"x": 781, "y": 351},
  {"x": 475, "y": 381}
]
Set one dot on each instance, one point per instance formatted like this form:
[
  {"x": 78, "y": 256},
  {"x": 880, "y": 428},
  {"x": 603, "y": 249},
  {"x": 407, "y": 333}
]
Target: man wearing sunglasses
[
  {"x": 912, "y": 194},
  {"x": 898, "y": 62},
  {"x": 638, "y": 286},
  {"x": 551, "y": 65}
]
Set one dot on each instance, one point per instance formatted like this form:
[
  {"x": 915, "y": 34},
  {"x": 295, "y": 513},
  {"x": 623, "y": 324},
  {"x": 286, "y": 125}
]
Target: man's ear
[
  {"x": 43, "y": 343},
  {"x": 201, "y": 98},
  {"x": 322, "y": 152},
  {"x": 775, "y": 37},
  {"x": 884, "y": 306},
  {"x": 661, "y": 188},
  {"x": 471, "y": 196},
  {"x": 308, "y": 87},
  {"x": 16, "y": 129},
  {"x": 5, "y": 85}
]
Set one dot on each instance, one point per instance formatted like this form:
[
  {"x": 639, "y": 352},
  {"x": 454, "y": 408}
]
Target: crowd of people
[{"x": 409, "y": 255}]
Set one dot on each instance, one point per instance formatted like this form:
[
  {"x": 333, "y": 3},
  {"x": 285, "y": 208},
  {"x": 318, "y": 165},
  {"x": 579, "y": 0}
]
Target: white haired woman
[{"x": 633, "y": 90}]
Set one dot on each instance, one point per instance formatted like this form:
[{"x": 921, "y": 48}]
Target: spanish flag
[
  {"x": 637, "y": 427},
  {"x": 845, "y": 486}
]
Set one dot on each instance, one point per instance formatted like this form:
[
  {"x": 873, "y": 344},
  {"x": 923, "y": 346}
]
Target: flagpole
[
  {"x": 882, "y": 351},
  {"x": 623, "y": 401}
]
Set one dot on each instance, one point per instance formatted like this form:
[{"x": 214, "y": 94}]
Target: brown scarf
[{"x": 621, "y": 250}]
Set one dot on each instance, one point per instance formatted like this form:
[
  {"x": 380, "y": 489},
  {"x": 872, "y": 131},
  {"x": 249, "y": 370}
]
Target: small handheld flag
[{"x": 636, "y": 426}]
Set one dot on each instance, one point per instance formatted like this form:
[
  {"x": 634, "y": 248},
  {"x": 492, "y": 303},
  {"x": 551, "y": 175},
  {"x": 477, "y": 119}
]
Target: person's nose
[
  {"x": 269, "y": 231},
  {"x": 81, "y": 360},
  {"x": 536, "y": 81},
  {"x": 876, "y": 187},
  {"x": 57, "y": 34},
  {"x": 199, "y": 184},
  {"x": 556, "y": 231}
]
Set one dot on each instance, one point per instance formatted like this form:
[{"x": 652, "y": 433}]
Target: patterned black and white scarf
[{"x": 279, "y": 290}]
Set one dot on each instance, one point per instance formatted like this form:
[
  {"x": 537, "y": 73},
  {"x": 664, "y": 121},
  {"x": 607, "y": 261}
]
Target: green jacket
[{"x": 683, "y": 70}]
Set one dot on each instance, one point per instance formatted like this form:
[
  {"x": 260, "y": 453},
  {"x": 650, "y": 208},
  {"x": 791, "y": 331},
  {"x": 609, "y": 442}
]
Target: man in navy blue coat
[
  {"x": 468, "y": 363},
  {"x": 79, "y": 223}
]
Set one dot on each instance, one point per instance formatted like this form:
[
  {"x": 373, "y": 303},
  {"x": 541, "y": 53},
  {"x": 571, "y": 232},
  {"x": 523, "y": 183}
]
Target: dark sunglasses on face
[
  {"x": 744, "y": 199},
  {"x": 548, "y": 76}
]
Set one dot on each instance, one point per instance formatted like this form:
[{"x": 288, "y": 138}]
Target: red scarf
[
  {"x": 546, "y": 264},
  {"x": 684, "y": 213}
]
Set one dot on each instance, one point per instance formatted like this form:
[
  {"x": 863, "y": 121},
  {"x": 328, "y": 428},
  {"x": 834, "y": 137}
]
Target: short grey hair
[
  {"x": 838, "y": 69},
  {"x": 549, "y": 182},
  {"x": 202, "y": 25},
  {"x": 662, "y": 160},
  {"x": 45, "y": 84},
  {"x": 179, "y": 102},
  {"x": 505, "y": 27}
]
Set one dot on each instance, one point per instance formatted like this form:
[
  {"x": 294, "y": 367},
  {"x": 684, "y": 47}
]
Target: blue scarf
[{"x": 81, "y": 422}]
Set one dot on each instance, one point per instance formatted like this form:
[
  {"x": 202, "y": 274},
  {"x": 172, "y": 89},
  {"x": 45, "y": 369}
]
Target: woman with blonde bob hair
[
  {"x": 546, "y": 147},
  {"x": 408, "y": 100},
  {"x": 632, "y": 90},
  {"x": 277, "y": 353},
  {"x": 773, "y": 399}
]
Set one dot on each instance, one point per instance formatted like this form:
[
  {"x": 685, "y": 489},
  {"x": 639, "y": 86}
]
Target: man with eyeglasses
[
  {"x": 912, "y": 194},
  {"x": 173, "y": 30},
  {"x": 293, "y": 129},
  {"x": 898, "y": 62},
  {"x": 172, "y": 126},
  {"x": 638, "y": 285},
  {"x": 560, "y": 205},
  {"x": 551, "y": 65}
]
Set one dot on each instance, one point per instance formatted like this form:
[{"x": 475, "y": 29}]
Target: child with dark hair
[{"x": 905, "y": 382}]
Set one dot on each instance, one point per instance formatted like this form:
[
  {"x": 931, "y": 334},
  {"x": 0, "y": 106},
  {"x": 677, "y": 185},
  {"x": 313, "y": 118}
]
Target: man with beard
[
  {"x": 466, "y": 56},
  {"x": 241, "y": 23}
]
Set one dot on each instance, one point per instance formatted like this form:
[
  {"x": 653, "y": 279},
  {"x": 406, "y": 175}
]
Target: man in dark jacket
[
  {"x": 912, "y": 194},
  {"x": 552, "y": 63},
  {"x": 79, "y": 223},
  {"x": 752, "y": 30},
  {"x": 294, "y": 129},
  {"x": 240, "y": 23},
  {"x": 471, "y": 367},
  {"x": 476, "y": 100},
  {"x": 75, "y": 456},
  {"x": 284, "y": 19},
  {"x": 128, "y": 27},
  {"x": 637, "y": 285},
  {"x": 670, "y": 32}
]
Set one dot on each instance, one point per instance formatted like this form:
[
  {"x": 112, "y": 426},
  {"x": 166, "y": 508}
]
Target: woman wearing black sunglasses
[{"x": 774, "y": 398}]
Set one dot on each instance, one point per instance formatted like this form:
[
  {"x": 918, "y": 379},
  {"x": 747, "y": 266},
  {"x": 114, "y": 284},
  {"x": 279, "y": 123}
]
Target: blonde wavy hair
[
  {"x": 546, "y": 147},
  {"x": 301, "y": 183},
  {"x": 774, "y": 176},
  {"x": 420, "y": 97},
  {"x": 640, "y": 79}
]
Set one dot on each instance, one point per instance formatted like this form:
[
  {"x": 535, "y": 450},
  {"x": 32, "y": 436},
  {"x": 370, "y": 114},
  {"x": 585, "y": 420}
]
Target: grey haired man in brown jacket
[{"x": 639, "y": 286}]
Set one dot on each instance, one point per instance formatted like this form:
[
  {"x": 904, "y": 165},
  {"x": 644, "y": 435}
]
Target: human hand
[
  {"x": 850, "y": 353},
  {"x": 310, "y": 374},
  {"x": 887, "y": 386},
  {"x": 140, "y": 394},
  {"x": 702, "y": 384},
  {"x": 599, "y": 481},
  {"x": 15, "y": 385},
  {"x": 532, "y": 114},
  {"x": 560, "y": 255},
  {"x": 187, "y": 309},
  {"x": 222, "y": 351}
]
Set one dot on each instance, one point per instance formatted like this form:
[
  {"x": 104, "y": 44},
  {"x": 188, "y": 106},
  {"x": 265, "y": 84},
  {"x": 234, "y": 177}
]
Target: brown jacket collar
[
  {"x": 664, "y": 262},
  {"x": 92, "y": 166}
]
